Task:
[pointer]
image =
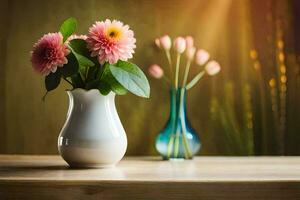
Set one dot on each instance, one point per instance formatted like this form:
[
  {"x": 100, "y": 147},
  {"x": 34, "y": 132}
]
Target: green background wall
[{"x": 227, "y": 110}]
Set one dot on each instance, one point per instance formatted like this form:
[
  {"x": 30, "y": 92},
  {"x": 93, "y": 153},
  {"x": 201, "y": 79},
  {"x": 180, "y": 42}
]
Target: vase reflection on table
[{"x": 178, "y": 140}]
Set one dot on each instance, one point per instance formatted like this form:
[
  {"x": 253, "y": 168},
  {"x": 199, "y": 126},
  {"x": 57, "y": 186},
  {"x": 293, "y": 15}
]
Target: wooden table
[{"x": 48, "y": 177}]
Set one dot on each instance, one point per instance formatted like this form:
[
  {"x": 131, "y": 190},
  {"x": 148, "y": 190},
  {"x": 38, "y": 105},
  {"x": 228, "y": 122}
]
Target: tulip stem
[
  {"x": 187, "y": 150},
  {"x": 170, "y": 62},
  {"x": 186, "y": 73},
  {"x": 170, "y": 146},
  {"x": 177, "y": 71},
  {"x": 195, "y": 80},
  {"x": 169, "y": 58},
  {"x": 176, "y": 144}
]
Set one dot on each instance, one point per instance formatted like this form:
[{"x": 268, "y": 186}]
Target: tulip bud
[
  {"x": 190, "y": 53},
  {"x": 165, "y": 42},
  {"x": 156, "y": 71},
  {"x": 212, "y": 68},
  {"x": 202, "y": 57},
  {"x": 157, "y": 42},
  {"x": 189, "y": 41},
  {"x": 180, "y": 44}
]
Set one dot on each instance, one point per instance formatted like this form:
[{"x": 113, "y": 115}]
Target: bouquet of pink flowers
[{"x": 97, "y": 60}]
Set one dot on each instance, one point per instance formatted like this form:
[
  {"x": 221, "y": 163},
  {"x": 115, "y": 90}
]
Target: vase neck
[
  {"x": 86, "y": 100},
  {"x": 177, "y": 103},
  {"x": 82, "y": 96}
]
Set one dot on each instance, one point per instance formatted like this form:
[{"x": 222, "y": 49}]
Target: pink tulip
[
  {"x": 202, "y": 57},
  {"x": 212, "y": 68},
  {"x": 157, "y": 42},
  {"x": 165, "y": 42},
  {"x": 156, "y": 71},
  {"x": 180, "y": 44},
  {"x": 190, "y": 53},
  {"x": 189, "y": 41}
]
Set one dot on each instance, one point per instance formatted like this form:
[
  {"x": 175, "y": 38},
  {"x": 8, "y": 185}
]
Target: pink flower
[
  {"x": 190, "y": 53},
  {"x": 74, "y": 36},
  {"x": 49, "y": 53},
  {"x": 111, "y": 41},
  {"x": 156, "y": 71},
  {"x": 202, "y": 57},
  {"x": 189, "y": 41},
  {"x": 157, "y": 42},
  {"x": 180, "y": 44},
  {"x": 212, "y": 68},
  {"x": 165, "y": 42}
]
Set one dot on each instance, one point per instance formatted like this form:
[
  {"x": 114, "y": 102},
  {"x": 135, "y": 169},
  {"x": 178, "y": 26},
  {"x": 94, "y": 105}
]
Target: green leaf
[
  {"x": 68, "y": 28},
  {"x": 71, "y": 67},
  {"x": 79, "y": 49},
  {"x": 52, "y": 80},
  {"x": 77, "y": 81},
  {"x": 92, "y": 84},
  {"x": 80, "y": 46},
  {"x": 92, "y": 73},
  {"x": 82, "y": 60},
  {"x": 108, "y": 78},
  {"x": 103, "y": 87},
  {"x": 131, "y": 77},
  {"x": 118, "y": 88},
  {"x": 195, "y": 80},
  {"x": 105, "y": 82}
]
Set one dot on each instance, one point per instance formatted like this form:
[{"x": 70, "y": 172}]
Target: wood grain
[{"x": 48, "y": 177}]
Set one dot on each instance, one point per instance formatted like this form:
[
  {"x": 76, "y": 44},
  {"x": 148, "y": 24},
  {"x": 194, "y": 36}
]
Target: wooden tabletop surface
[
  {"x": 240, "y": 173},
  {"x": 200, "y": 169}
]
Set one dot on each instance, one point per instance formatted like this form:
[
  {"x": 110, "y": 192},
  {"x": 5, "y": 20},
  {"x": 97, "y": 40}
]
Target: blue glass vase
[{"x": 178, "y": 140}]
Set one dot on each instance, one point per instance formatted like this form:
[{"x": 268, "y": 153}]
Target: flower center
[{"x": 114, "y": 33}]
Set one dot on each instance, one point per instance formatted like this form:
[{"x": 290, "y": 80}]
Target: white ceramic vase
[{"x": 92, "y": 135}]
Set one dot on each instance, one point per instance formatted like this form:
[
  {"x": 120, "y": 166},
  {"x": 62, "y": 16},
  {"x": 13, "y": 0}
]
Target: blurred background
[{"x": 250, "y": 108}]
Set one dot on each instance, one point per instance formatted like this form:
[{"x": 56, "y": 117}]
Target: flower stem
[
  {"x": 180, "y": 116},
  {"x": 81, "y": 76},
  {"x": 174, "y": 125},
  {"x": 170, "y": 62},
  {"x": 86, "y": 74},
  {"x": 96, "y": 73},
  {"x": 102, "y": 70},
  {"x": 170, "y": 146},
  {"x": 195, "y": 80},
  {"x": 187, "y": 151},
  {"x": 177, "y": 71},
  {"x": 186, "y": 73},
  {"x": 176, "y": 145}
]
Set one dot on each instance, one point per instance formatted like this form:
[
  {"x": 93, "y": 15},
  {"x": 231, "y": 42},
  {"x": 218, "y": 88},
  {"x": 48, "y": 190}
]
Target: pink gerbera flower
[
  {"x": 111, "y": 41},
  {"x": 49, "y": 53}
]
